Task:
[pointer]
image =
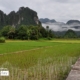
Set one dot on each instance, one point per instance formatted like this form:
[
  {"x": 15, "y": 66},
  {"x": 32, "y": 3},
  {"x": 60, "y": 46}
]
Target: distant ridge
[
  {"x": 61, "y": 26},
  {"x": 45, "y": 20},
  {"x": 73, "y": 21}
]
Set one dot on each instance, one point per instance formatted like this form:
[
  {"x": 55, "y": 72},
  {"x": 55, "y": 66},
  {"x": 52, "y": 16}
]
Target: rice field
[{"x": 39, "y": 60}]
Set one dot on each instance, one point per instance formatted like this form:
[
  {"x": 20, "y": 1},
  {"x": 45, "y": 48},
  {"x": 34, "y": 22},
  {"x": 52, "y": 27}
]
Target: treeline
[
  {"x": 67, "y": 34},
  {"x": 24, "y": 32}
]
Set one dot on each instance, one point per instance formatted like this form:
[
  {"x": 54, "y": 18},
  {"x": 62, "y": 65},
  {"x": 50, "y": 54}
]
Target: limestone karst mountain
[{"x": 24, "y": 16}]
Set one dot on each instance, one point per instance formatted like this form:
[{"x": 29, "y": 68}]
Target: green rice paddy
[{"x": 56, "y": 56}]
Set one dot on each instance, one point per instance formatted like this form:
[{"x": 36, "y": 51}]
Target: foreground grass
[
  {"x": 18, "y": 45},
  {"x": 29, "y": 58},
  {"x": 52, "y": 58},
  {"x": 14, "y": 46}
]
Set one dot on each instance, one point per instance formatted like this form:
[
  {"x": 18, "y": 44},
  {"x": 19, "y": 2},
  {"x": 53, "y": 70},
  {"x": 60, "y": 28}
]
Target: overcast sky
[{"x": 60, "y": 10}]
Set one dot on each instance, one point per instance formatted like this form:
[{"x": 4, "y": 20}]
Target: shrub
[
  {"x": 49, "y": 38},
  {"x": 2, "y": 40}
]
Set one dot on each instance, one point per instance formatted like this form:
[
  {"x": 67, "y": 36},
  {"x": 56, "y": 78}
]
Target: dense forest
[{"x": 26, "y": 32}]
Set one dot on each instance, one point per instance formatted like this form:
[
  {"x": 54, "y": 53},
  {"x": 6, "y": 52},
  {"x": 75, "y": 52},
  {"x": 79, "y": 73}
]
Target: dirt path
[
  {"x": 75, "y": 71},
  {"x": 26, "y": 50}
]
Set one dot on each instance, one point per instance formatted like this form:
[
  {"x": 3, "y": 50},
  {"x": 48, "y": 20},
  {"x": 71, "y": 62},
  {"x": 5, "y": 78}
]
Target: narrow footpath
[{"x": 75, "y": 71}]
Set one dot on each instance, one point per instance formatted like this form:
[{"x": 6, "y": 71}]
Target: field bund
[{"x": 75, "y": 71}]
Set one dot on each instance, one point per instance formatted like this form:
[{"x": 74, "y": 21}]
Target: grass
[
  {"x": 43, "y": 58},
  {"x": 19, "y": 46}
]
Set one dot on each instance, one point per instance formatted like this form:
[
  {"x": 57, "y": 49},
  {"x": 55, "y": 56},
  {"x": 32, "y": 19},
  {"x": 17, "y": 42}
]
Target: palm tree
[{"x": 47, "y": 28}]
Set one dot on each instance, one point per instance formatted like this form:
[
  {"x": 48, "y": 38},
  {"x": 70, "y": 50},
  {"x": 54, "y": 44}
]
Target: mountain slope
[
  {"x": 24, "y": 16},
  {"x": 45, "y": 20},
  {"x": 73, "y": 22}
]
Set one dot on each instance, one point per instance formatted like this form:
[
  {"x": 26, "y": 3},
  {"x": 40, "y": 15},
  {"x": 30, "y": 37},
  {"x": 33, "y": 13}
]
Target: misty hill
[
  {"x": 45, "y": 20},
  {"x": 70, "y": 34},
  {"x": 73, "y": 22},
  {"x": 62, "y": 33},
  {"x": 61, "y": 26},
  {"x": 24, "y": 16}
]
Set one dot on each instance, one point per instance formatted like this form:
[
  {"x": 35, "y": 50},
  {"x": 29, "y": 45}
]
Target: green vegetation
[
  {"x": 42, "y": 59},
  {"x": 2, "y": 40},
  {"x": 70, "y": 34},
  {"x": 24, "y": 16},
  {"x": 26, "y": 32}
]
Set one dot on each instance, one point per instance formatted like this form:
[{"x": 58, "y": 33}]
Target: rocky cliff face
[
  {"x": 24, "y": 16},
  {"x": 3, "y": 19}
]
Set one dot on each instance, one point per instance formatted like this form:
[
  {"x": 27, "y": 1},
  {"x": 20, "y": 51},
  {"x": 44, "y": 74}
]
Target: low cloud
[{"x": 59, "y": 26}]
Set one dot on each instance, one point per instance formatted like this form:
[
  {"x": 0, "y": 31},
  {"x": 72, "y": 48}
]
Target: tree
[
  {"x": 47, "y": 28},
  {"x": 26, "y": 32},
  {"x": 8, "y": 32},
  {"x": 43, "y": 32},
  {"x": 70, "y": 34},
  {"x": 5, "y": 31},
  {"x": 34, "y": 33},
  {"x": 51, "y": 34},
  {"x": 22, "y": 32},
  {"x": 11, "y": 33}
]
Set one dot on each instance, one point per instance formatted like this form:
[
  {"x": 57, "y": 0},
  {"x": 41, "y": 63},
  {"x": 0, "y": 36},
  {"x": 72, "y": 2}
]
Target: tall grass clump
[
  {"x": 2, "y": 40},
  {"x": 47, "y": 69}
]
